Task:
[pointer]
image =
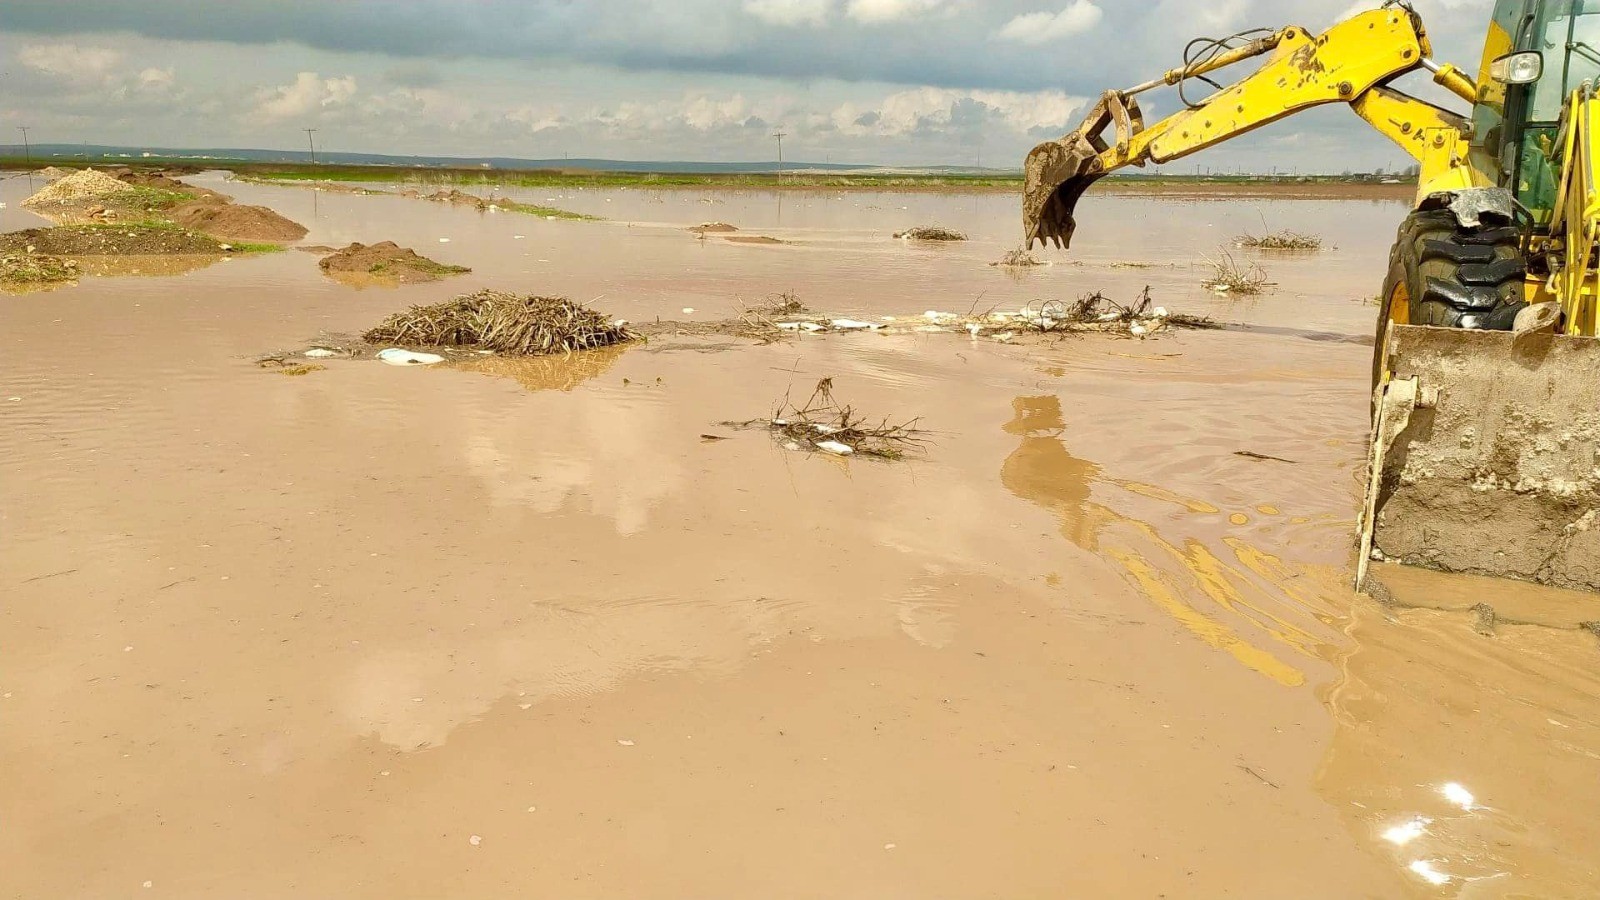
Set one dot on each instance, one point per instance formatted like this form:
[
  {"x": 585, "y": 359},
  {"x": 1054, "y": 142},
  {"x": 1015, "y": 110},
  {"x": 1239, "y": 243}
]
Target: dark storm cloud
[{"x": 943, "y": 43}]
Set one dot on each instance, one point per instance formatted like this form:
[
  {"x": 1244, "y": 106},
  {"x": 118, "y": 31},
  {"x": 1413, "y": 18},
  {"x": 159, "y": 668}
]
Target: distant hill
[{"x": 45, "y": 152}]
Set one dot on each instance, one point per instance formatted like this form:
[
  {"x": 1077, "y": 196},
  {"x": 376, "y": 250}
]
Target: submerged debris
[
  {"x": 504, "y": 323},
  {"x": 1229, "y": 277},
  {"x": 1018, "y": 258},
  {"x": 1282, "y": 240},
  {"x": 930, "y": 233},
  {"x": 822, "y": 425}
]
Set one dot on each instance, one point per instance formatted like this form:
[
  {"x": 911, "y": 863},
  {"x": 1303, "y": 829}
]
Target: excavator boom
[{"x": 1348, "y": 64}]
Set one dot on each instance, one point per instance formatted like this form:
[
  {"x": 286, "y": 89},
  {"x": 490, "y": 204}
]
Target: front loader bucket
[
  {"x": 1485, "y": 456},
  {"x": 1058, "y": 172}
]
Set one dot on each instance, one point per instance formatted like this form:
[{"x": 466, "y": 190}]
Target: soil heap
[
  {"x": 387, "y": 260},
  {"x": 232, "y": 222}
]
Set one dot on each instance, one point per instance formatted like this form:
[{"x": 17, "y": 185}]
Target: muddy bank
[
  {"x": 385, "y": 261},
  {"x": 109, "y": 240}
]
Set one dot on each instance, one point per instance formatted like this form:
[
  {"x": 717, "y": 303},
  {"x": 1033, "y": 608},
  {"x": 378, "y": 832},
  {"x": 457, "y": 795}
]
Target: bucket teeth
[{"x": 1058, "y": 172}]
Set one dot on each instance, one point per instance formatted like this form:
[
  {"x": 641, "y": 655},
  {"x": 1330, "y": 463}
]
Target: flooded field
[{"x": 524, "y": 630}]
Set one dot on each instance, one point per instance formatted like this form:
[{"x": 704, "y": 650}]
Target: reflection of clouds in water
[{"x": 610, "y": 454}]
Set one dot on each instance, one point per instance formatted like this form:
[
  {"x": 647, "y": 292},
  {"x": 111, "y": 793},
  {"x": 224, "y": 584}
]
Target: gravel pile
[{"x": 85, "y": 185}]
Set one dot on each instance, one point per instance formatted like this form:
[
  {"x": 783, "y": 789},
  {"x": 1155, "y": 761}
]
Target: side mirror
[{"x": 1518, "y": 68}]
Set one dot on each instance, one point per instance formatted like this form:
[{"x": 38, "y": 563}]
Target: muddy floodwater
[{"x": 522, "y": 631}]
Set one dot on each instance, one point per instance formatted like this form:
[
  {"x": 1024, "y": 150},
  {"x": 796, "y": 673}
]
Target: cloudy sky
[{"x": 910, "y": 82}]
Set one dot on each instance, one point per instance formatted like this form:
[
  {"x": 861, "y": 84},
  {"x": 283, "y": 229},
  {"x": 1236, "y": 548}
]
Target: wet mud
[{"x": 436, "y": 630}]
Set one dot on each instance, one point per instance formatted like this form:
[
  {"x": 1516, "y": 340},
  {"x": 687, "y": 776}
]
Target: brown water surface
[{"x": 516, "y": 629}]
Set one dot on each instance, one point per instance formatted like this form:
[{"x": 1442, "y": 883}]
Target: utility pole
[
  {"x": 312, "y": 142},
  {"x": 779, "y": 134},
  {"x": 27, "y": 151}
]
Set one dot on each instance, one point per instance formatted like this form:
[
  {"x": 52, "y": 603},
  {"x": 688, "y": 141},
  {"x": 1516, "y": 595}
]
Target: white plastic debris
[
  {"x": 394, "y": 356},
  {"x": 1424, "y": 869},
  {"x": 789, "y": 326},
  {"x": 812, "y": 326},
  {"x": 1138, "y": 330},
  {"x": 1159, "y": 312},
  {"x": 475, "y": 840},
  {"x": 836, "y": 447},
  {"x": 853, "y": 325},
  {"x": 626, "y": 743},
  {"x": 688, "y": 310},
  {"x": 1458, "y": 795},
  {"x": 519, "y": 237},
  {"x": 973, "y": 328},
  {"x": 936, "y": 316},
  {"x": 444, "y": 240},
  {"x": 320, "y": 353},
  {"x": 1403, "y": 834}
]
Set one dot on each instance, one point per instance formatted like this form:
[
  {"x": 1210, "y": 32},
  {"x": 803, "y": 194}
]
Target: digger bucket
[
  {"x": 1058, "y": 172},
  {"x": 1484, "y": 458}
]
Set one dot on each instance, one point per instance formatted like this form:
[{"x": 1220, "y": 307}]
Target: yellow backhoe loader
[{"x": 1486, "y": 367}]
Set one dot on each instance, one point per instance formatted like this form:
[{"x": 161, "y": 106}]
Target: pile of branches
[
  {"x": 503, "y": 323},
  {"x": 823, "y": 425},
  {"x": 1282, "y": 240},
  {"x": 1098, "y": 312},
  {"x": 930, "y": 233},
  {"x": 1018, "y": 259},
  {"x": 1229, "y": 277}
]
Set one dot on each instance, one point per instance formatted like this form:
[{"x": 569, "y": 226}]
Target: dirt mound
[
  {"x": 163, "y": 182},
  {"x": 107, "y": 240},
  {"x": 713, "y": 228},
  {"x": 456, "y": 196},
  {"x": 387, "y": 260},
  {"x": 232, "y": 222},
  {"x": 752, "y": 239},
  {"x": 85, "y": 185},
  {"x": 27, "y": 269},
  {"x": 52, "y": 173},
  {"x": 502, "y": 322}
]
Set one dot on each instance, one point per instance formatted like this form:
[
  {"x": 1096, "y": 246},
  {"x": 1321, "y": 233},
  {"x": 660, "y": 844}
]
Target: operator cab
[{"x": 1536, "y": 54}]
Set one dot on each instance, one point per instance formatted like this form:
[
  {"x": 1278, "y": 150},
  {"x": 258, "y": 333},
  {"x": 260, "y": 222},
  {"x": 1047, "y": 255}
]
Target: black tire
[
  {"x": 1458, "y": 277},
  {"x": 1445, "y": 275}
]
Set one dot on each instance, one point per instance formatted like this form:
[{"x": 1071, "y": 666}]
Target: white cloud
[
  {"x": 920, "y": 109},
  {"x": 879, "y": 11},
  {"x": 790, "y": 12},
  {"x": 70, "y": 61},
  {"x": 308, "y": 93},
  {"x": 154, "y": 79},
  {"x": 1044, "y": 27}
]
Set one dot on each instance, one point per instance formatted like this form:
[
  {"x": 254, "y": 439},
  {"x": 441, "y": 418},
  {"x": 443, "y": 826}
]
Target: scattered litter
[
  {"x": 625, "y": 743},
  {"x": 395, "y": 356},
  {"x": 929, "y": 233},
  {"x": 823, "y": 425},
  {"x": 475, "y": 840},
  {"x": 444, "y": 240},
  {"x": 321, "y": 353},
  {"x": 853, "y": 325},
  {"x": 502, "y": 322},
  {"x": 519, "y": 237},
  {"x": 688, "y": 310}
]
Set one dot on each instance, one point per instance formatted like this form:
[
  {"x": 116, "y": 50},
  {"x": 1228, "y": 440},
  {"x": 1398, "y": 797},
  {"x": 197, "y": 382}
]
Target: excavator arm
[{"x": 1351, "y": 63}]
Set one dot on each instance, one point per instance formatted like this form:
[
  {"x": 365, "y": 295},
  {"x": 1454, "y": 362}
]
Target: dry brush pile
[{"x": 503, "y": 323}]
